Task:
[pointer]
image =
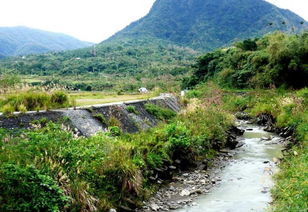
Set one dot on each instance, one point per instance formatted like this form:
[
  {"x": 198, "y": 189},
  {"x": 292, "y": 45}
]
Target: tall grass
[{"x": 33, "y": 101}]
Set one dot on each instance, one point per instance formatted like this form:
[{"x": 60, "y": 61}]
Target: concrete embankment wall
[{"x": 85, "y": 121}]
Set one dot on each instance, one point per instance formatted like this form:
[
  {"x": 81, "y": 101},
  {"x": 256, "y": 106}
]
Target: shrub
[
  {"x": 8, "y": 109},
  {"x": 113, "y": 121},
  {"x": 27, "y": 189},
  {"x": 159, "y": 112},
  {"x": 22, "y": 108},
  {"x": 35, "y": 101},
  {"x": 178, "y": 136},
  {"x": 59, "y": 98},
  {"x": 132, "y": 109},
  {"x": 154, "y": 160},
  {"x": 115, "y": 131},
  {"x": 101, "y": 118}
]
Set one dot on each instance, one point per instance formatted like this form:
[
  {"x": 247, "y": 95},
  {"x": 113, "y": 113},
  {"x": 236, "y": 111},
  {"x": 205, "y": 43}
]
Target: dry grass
[{"x": 93, "y": 98}]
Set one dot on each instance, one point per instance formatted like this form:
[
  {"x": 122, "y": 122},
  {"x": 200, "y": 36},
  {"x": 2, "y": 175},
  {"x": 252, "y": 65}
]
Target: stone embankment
[{"x": 88, "y": 121}]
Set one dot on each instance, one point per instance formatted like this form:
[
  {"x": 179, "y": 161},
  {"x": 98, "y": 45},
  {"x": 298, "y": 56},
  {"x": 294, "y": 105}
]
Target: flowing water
[{"x": 247, "y": 180}]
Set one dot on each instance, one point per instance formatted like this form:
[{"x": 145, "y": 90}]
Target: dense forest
[
  {"x": 275, "y": 60},
  {"x": 207, "y": 25}
]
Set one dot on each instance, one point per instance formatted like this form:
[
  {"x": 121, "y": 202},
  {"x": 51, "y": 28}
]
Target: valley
[{"x": 200, "y": 105}]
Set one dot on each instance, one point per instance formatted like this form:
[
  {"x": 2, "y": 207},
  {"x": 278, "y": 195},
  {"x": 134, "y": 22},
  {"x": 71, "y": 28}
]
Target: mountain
[
  {"x": 23, "y": 40},
  {"x": 166, "y": 40},
  {"x": 208, "y": 24}
]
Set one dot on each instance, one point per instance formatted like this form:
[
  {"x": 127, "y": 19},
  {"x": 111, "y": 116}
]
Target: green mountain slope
[
  {"x": 208, "y": 24},
  {"x": 22, "y": 41},
  {"x": 125, "y": 57},
  {"x": 166, "y": 40}
]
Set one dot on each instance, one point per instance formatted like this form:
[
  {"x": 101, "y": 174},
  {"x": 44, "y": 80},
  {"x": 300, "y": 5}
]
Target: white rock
[
  {"x": 154, "y": 207},
  {"x": 184, "y": 192}
]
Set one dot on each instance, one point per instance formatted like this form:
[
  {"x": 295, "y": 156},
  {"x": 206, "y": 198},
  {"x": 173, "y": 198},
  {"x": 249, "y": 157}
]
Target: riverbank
[
  {"x": 284, "y": 112},
  {"x": 246, "y": 171},
  {"x": 111, "y": 170}
]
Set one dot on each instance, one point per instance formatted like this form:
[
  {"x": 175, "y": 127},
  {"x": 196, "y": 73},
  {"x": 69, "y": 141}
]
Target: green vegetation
[
  {"x": 289, "y": 109},
  {"x": 290, "y": 192},
  {"x": 104, "y": 171},
  {"x": 141, "y": 58},
  {"x": 132, "y": 109},
  {"x": 159, "y": 112},
  {"x": 33, "y": 101},
  {"x": 101, "y": 118},
  {"x": 276, "y": 60},
  {"x": 39, "y": 192},
  {"x": 8, "y": 81},
  {"x": 207, "y": 25}
]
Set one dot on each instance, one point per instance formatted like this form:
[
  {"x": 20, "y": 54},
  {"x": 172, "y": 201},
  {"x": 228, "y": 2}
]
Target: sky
[{"x": 92, "y": 20}]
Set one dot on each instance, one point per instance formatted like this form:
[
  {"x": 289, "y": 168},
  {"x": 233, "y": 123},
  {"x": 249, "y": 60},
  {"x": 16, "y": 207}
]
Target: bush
[
  {"x": 22, "y": 108},
  {"x": 159, "y": 112},
  {"x": 101, "y": 118},
  {"x": 8, "y": 109},
  {"x": 115, "y": 131},
  {"x": 59, "y": 98},
  {"x": 178, "y": 136},
  {"x": 35, "y": 101},
  {"x": 27, "y": 189},
  {"x": 132, "y": 109}
]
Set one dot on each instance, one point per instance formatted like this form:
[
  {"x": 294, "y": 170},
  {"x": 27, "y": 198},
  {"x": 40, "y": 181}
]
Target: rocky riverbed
[{"x": 232, "y": 172}]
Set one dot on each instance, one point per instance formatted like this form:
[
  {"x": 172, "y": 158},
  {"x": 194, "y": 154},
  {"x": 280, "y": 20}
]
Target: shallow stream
[{"x": 246, "y": 181}]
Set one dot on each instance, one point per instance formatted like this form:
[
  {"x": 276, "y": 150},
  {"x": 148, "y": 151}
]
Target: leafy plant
[
  {"x": 132, "y": 109},
  {"x": 27, "y": 189},
  {"x": 159, "y": 112}
]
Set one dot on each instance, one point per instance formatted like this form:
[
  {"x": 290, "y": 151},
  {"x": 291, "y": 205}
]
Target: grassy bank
[
  {"x": 50, "y": 169},
  {"x": 289, "y": 109}
]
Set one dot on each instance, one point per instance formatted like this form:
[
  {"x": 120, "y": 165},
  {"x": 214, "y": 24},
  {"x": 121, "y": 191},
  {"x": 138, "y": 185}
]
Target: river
[{"x": 246, "y": 181}]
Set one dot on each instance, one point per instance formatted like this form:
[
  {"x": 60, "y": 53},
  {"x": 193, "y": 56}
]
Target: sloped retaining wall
[{"x": 84, "y": 119}]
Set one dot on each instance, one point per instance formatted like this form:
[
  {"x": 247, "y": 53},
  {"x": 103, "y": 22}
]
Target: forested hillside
[
  {"x": 162, "y": 42},
  {"x": 208, "y": 24},
  {"x": 128, "y": 56},
  {"x": 22, "y": 41},
  {"x": 271, "y": 61}
]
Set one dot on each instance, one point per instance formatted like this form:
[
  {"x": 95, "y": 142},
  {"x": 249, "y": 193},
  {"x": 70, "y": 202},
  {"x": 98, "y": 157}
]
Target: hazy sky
[{"x": 92, "y": 20}]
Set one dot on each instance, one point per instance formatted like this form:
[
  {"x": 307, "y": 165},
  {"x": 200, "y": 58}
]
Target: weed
[
  {"x": 132, "y": 109},
  {"x": 159, "y": 112},
  {"x": 101, "y": 118}
]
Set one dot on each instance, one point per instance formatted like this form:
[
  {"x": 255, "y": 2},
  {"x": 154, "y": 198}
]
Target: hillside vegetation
[
  {"x": 205, "y": 25},
  {"x": 23, "y": 41},
  {"x": 142, "y": 56},
  {"x": 272, "y": 61},
  {"x": 276, "y": 61}
]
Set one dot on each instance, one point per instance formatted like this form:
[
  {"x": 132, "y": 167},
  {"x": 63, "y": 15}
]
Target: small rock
[
  {"x": 177, "y": 161},
  {"x": 185, "y": 192},
  {"x": 112, "y": 210},
  {"x": 185, "y": 175},
  {"x": 197, "y": 191},
  {"x": 202, "y": 182},
  {"x": 249, "y": 129},
  {"x": 172, "y": 167},
  {"x": 266, "y": 161},
  {"x": 154, "y": 207},
  {"x": 193, "y": 204}
]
